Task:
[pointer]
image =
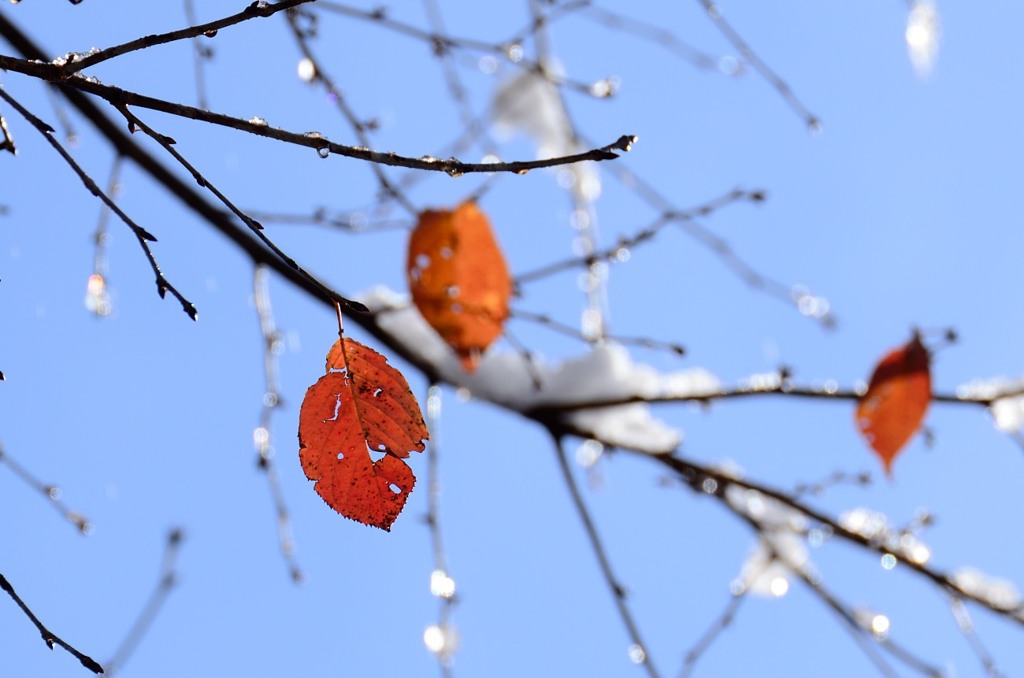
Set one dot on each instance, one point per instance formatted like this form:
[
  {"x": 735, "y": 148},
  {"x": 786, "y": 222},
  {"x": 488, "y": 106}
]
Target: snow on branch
[{"x": 604, "y": 373}]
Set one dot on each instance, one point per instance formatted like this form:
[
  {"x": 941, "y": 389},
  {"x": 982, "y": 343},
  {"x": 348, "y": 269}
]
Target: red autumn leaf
[
  {"x": 361, "y": 406},
  {"x": 459, "y": 280},
  {"x": 892, "y": 409}
]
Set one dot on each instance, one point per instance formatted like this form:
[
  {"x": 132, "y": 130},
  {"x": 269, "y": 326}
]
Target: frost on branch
[
  {"x": 874, "y": 526},
  {"x": 999, "y": 593},
  {"x": 1007, "y": 412},
  {"x": 604, "y": 373},
  {"x": 781, "y": 547}
]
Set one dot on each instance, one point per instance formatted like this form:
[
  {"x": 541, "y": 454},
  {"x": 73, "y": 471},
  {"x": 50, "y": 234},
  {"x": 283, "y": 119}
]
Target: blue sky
[{"x": 903, "y": 213}]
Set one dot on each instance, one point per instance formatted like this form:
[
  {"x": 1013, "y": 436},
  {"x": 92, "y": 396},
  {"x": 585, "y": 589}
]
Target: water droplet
[
  {"x": 601, "y": 89},
  {"x": 487, "y": 64},
  {"x": 428, "y": 159},
  {"x": 814, "y": 127},
  {"x": 97, "y": 297},
  {"x": 729, "y": 65},
  {"x": 257, "y": 121},
  {"x": 260, "y": 437},
  {"x": 313, "y": 135},
  {"x": 880, "y": 626},
  {"x": 441, "y": 585},
  {"x": 210, "y": 33},
  {"x": 709, "y": 486},
  {"x": 442, "y": 640},
  {"x": 307, "y": 70},
  {"x": 888, "y": 561},
  {"x": 589, "y": 453},
  {"x": 434, "y": 402},
  {"x": 779, "y": 587},
  {"x": 637, "y": 654},
  {"x": 515, "y": 53},
  {"x": 434, "y": 638},
  {"x": 323, "y": 152}
]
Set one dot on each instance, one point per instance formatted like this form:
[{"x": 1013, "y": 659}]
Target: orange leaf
[
  {"x": 459, "y": 279},
  {"x": 361, "y": 405},
  {"x": 892, "y": 409}
]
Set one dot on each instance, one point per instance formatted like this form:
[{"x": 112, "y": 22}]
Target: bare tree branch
[
  {"x": 617, "y": 590},
  {"x": 324, "y": 146},
  {"x": 49, "y": 637},
  {"x": 79, "y": 62},
  {"x": 144, "y": 237}
]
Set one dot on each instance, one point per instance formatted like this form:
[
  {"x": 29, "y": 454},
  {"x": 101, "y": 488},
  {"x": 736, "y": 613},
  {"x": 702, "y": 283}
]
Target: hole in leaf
[
  {"x": 395, "y": 488},
  {"x": 456, "y": 308},
  {"x": 452, "y": 291},
  {"x": 337, "y": 407},
  {"x": 341, "y": 455},
  {"x": 376, "y": 394},
  {"x": 422, "y": 261},
  {"x": 375, "y": 455},
  {"x": 446, "y": 253}
]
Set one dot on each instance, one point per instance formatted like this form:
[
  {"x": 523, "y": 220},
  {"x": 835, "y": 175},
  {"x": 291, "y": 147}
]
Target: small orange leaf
[
  {"x": 458, "y": 279},
  {"x": 361, "y": 405},
  {"x": 892, "y": 409}
]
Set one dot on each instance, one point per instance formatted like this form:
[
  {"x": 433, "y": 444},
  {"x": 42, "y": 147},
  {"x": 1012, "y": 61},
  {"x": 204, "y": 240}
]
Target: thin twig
[
  {"x": 359, "y": 128},
  {"x": 617, "y": 591},
  {"x": 643, "y": 235},
  {"x": 350, "y": 222},
  {"x": 168, "y": 144},
  {"x": 966, "y": 626},
  {"x": 168, "y": 579},
  {"x": 324, "y": 146},
  {"x": 49, "y": 637},
  {"x": 721, "y": 623},
  {"x": 776, "y": 387},
  {"x": 78, "y": 62},
  {"x": 715, "y": 14},
  {"x": 568, "y": 330},
  {"x": 262, "y": 435},
  {"x": 61, "y": 114},
  {"x": 200, "y": 53},
  {"x": 865, "y": 638},
  {"x": 708, "y": 480},
  {"x": 505, "y": 49},
  {"x": 143, "y": 236},
  {"x": 51, "y": 492},
  {"x": 6, "y": 140},
  {"x": 655, "y": 34},
  {"x": 456, "y": 89},
  {"x": 441, "y": 584},
  {"x": 97, "y": 288}
]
